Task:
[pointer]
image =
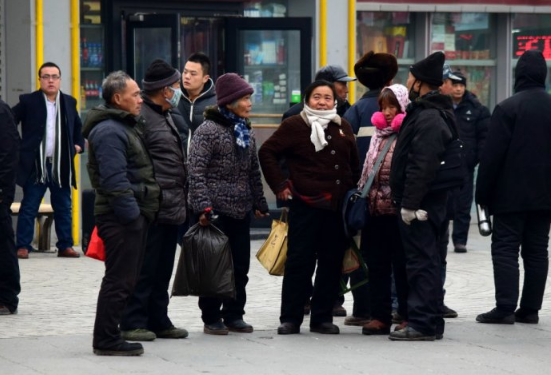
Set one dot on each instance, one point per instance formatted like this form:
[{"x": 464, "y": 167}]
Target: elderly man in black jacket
[
  {"x": 421, "y": 143},
  {"x": 146, "y": 315},
  {"x": 9, "y": 266},
  {"x": 514, "y": 177}
]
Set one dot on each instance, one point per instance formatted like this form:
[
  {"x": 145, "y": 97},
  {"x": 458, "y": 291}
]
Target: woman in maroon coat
[{"x": 321, "y": 155}]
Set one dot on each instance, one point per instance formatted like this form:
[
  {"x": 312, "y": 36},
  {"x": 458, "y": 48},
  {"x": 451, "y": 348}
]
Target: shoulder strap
[{"x": 377, "y": 165}]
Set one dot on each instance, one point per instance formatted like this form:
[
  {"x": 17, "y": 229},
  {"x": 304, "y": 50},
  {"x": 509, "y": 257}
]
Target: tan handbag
[{"x": 273, "y": 253}]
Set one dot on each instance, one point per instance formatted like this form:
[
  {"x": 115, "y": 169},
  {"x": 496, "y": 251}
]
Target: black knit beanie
[
  {"x": 429, "y": 70},
  {"x": 230, "y": 87},
  {"x": 158, "y": 75}
]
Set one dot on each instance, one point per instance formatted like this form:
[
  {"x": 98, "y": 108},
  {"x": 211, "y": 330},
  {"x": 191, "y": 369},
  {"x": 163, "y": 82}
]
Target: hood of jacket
[
  {"x": 531, "y": 71},
  {"x": 103, "y": 113},
  {"x": 207, "y": 92},
  {"x": 432, "y": 100}
]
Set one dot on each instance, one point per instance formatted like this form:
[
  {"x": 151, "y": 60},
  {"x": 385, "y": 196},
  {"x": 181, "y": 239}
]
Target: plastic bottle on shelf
[
  {"x": 92, "y": 55},
  {"x": 99, "y": 55},
  {"x": 84, "y": 53}
]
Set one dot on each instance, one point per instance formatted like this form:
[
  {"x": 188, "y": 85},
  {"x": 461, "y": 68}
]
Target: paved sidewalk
[{"x": 52, "y": 332}]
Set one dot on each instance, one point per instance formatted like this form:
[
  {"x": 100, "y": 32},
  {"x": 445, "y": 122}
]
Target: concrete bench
[{"x": 44, "y": 218}]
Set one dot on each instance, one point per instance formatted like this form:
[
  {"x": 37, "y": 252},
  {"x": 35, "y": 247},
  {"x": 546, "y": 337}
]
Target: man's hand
[
  {"x": 409, "y": 215},
  {"x": 285, "y": 195},
  {"x": 78, "y": 149}
]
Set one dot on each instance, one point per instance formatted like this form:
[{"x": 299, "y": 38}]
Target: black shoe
[
  {"x": 449, "y": 313},
  {"x": 123, "y": 349},
  {"x": 410, "y": 334},
  {"x": 526, "y": 316},
  {"x": 460, "y": 248},
  {"x": 288, "y": 328},
  {"x": 216, "y": 328},
  {"x": 326, "y": 329},
  {"x": 496, "y": 317},
  {"x": 339, "y": 311},
  {"x": 239, "y": 326}
]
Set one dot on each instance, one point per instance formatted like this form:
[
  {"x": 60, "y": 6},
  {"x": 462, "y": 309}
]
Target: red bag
[{"x": 96, "y": 249}]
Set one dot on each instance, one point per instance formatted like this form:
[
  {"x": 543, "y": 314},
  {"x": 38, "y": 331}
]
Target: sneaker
[
  {"x": 217, "y": 328},
  {"x": 325, "y": 328},
  {"x": 140, "y": 334},
  {"x": 339, "y": 311},
  {"x": 449, "y": 313},
  {"x": 239, "y": 325},
  {"x": 397, "y": 318},
  {"x": 526, "y": 316},
  {"x": 123, "y": 349},
  {"x": 172, "y": 333},
  {"x": 496, "y": 317},
  {"x": 410, "y": 334},
  {"x": 356, "y": 321},
  {"x": 460, "y": 248},
  {"x": 376, "y": 327},
  {"x": 5, "y": 311}
]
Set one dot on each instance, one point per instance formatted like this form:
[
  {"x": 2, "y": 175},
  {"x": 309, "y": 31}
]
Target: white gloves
[{"x": 409, "y": 215}]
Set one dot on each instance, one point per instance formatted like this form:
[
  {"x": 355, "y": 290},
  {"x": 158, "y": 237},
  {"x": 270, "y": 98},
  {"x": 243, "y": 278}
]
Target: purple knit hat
[{"x": 230, "y": 87}]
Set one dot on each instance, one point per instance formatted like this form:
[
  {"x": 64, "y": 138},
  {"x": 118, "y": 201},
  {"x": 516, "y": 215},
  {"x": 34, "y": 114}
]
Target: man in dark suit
[
  {"x": 51, "y": 137},
  {"x": 9, "y": 267}
]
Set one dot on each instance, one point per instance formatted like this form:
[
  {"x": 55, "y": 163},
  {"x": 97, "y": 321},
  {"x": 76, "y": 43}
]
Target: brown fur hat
[{"x": 376, "y": 70}]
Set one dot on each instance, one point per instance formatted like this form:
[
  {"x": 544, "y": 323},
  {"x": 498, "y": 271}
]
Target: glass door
[{"x": 150, "y": 37}]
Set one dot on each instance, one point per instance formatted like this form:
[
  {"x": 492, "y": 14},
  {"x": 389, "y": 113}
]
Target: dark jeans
[
  {"x": 239, "y": 235},
  {"x": 124, "y": 251},
  {"x": 462, "y": 203},
  {"x": 9, "y": 265},
  {"x": 423, "y": 266},
  {"x": 314, "y": 234},
  {"x": 61, "y": 203},
  {"x": 148, "y": 305},
  {"x": 385, "y": 253},
  {"x": 530, "y": 232}
]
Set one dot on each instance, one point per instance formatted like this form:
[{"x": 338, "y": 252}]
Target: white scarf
[
  {"x": 318, "y": 120},
  {"x": 42, "y": 175}
]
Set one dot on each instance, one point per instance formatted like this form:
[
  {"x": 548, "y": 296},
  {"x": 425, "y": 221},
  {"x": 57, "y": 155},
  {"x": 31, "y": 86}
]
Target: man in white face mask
[{"x": 146, "y": 317}]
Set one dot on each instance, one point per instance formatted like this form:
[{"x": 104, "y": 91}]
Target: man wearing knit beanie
[
  {"x": 146, "y": 315},
  {"x": 423, "y": 137}
]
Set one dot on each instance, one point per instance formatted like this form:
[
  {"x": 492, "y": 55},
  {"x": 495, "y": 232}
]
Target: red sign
[
  {"x": 528, "y": 42},
  {"x": 484, "y": 2}
]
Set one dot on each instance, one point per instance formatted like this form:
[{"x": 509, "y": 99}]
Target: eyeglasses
[{"x": 47, "y": 77}]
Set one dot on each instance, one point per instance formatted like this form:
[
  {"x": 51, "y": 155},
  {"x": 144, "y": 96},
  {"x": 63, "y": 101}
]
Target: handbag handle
[{"x": 377, "y": 165}]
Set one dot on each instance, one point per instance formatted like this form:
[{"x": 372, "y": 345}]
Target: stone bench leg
[{"x": 44, "y": 231}]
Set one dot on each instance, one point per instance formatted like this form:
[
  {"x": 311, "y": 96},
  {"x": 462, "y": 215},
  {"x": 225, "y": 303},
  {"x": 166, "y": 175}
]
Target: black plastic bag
[{"x": 205, "y": 267}]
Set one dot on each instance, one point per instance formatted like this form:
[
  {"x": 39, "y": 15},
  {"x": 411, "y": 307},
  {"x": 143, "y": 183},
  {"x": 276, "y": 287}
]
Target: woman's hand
[
  {"x": 258, "y": 214},
  {"x": 285, "y": 195},
  {"x": 203, "y": 220}
]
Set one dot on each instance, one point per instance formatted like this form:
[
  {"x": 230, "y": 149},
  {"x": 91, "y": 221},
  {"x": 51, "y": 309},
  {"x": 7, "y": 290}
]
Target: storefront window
[
  {"x": 389, "y": 32},
  {"x": 265, "y": 9},
  {"x": 467, "y": 39},
  {"x": 532, "y": 31}
]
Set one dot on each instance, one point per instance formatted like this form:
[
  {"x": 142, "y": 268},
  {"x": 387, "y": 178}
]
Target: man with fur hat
[
  {"x": 146, "y": 315},
  {"x": 374, "y": 71},
  {"x": 339, "y": 78},
  {"x": 423, "y": 138}
]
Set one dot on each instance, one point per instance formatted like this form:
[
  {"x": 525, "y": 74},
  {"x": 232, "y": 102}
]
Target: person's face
[
  {"x": 410, "y": 82},
  {"x": 342, "y": 89},
  {"x": 322, "y": 99},
  {"x": 447, "y": 87},
  {"x": 50, "y": 80},
  {"x": 130, "y": 99},
  {"x": 243, "y": 107},
  {"x": 389, "y": 111},
  {"x": 194, "y": 79},
  {"x": 168, "y": 93},
  {"x": 458, "y": 91}
]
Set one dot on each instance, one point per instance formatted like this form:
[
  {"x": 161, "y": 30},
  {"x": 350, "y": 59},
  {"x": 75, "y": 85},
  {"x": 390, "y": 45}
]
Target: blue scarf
[{"x": 241, "y": 132}]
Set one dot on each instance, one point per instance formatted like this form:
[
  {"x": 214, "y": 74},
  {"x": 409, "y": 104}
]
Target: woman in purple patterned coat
[{"x": 224, "y": 178}]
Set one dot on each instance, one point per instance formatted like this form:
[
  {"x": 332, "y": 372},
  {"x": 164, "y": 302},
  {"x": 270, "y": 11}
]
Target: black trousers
[
  {"x": 423, "y": 266},
  {"x": 9, "y": 265},
  {"x": 530, "y": 232},
  {"x": 148, "y": 305},
  {"x": 124, "y": 251},
  {"x": 238, "y": 232},
  {"x": 462, "y": 200},
  {"x": 314, "y": 234},
  {"x": 385, "y": 253}
]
